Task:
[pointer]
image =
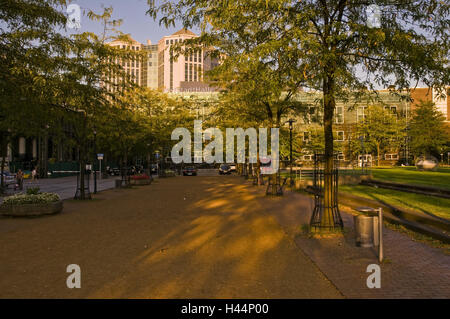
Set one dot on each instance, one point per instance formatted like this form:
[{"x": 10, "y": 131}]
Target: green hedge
[{"x": 23, "y": 199}]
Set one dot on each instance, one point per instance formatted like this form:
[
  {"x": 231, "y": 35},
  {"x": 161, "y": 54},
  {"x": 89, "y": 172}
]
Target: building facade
[{"x": 182, "y": 72}]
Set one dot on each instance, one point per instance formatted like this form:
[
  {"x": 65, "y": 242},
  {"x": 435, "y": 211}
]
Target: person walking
[
  {"x": 33, "y": 174},
  {"x": 19, "y": 179}
]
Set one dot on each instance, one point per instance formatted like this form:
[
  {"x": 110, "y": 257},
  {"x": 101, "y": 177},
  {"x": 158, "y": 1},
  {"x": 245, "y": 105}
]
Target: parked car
[
  {"x": 113, "y": 171},
  {"x": 224, "y": 169},
  {"x": 233, "y": 167},
  {"x": 9, "y": 179},
  {"x": 190, "y": 170}
]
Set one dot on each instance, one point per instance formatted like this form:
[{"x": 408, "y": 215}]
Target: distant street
[{"x": 65, "y": 187}]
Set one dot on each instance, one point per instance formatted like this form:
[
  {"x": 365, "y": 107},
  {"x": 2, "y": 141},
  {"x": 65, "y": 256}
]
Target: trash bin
[
  {"x": 367, "y": 227},
  {"x": 364, "y": 226},
  {"x": 118, "y": 183}
]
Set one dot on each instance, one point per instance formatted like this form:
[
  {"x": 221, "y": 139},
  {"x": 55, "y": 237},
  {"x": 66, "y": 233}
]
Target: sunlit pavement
[{"x": 183, "y": 237}]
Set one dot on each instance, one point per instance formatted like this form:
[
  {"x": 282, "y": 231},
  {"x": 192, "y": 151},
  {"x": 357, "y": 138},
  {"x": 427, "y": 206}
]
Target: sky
[{"x": 135, "y": 22}]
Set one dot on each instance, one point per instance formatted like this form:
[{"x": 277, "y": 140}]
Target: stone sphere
[{"x": 427, "y": 163}]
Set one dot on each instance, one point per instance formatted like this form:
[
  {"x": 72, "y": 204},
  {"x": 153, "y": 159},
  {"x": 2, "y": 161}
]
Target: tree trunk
[
  {"x": 2, "y": 182},
  {"x": 329, "y": 106},
  {"x": 378, "y": 154}
]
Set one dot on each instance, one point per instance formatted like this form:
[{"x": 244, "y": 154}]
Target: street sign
[{"x": 100, "y": 156}]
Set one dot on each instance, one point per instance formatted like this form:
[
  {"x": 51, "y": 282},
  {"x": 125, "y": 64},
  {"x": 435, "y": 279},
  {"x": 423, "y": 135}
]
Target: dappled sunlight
[{"x": 223, "y": 246}]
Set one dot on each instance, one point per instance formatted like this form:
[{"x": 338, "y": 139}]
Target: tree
[
  {"x": 29, "y": 43},
  {"x": 338, "y": 52},
  {"x": 381, "y": 130},
  {"x": 427, "y": 130}
]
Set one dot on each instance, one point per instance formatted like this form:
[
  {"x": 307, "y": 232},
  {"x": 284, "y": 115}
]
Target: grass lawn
[
  {"x": 409, "y": 175},
  {"x": 422, "y": 203}
]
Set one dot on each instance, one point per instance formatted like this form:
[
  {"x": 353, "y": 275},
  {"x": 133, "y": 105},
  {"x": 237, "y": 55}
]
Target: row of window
[
  {"x": 365, "y": 158},
  {"x": 192, "y": 72},
  {"x": 360, "y": 113},
  {"x": 339, "y": 136}
]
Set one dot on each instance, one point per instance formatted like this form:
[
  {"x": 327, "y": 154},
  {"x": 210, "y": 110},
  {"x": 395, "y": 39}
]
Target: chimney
[{"x": 149, "y": 42}]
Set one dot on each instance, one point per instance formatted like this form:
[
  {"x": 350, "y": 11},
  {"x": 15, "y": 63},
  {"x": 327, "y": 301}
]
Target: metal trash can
[
  {"x": 369, "y": 228},
  {"x": 364, "y": 226}
]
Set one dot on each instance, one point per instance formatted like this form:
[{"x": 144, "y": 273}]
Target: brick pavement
[{"x": 412, "y": 269}]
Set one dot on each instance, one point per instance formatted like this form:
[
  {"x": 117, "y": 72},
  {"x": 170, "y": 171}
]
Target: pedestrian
[
  {"x": 33, "y": 174},
  {"x": 19, "y": 178}
]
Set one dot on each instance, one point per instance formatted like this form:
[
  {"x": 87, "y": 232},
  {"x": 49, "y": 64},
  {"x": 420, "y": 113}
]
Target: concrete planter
[
  {"x": 31, "y": 209},
  {"x": 139, "y": 182}
]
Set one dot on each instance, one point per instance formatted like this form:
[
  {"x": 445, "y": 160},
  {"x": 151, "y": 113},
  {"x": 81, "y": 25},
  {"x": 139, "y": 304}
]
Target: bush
[
  {"x": 23, "y": 199},
  {"x": 33, "y": 190}
]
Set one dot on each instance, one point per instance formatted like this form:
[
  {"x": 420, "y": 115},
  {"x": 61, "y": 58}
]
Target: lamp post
[
  {"x": 291, "y": 127},
  {"x": 407, "y": 146},
  {"x": 363, "y": 153},
  {"x": 96, "y": 159}
]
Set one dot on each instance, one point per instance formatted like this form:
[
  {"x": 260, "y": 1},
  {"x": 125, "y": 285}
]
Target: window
[
  {"x": 307, "y": 157},
  {"x": 195, "y": 72},
  {"x": 149, "y": 63},
  {"x": 171, "y": 41},
  {"x": 340, "y": 137},
  {"x": 391, "y": 109},
  {"x": 195, "y": 56},
  {"x": 167, "y": 42},
  {"x": 185, "y": 72},
  {"x": 190, "y": 72},
  {"x": 391, "y": 157},
  {"x": 305, "y": 136},
  {"x": 340, "y": 157},
  {"x": 361, "y": 113},
  {"x": 200, "y": 56},
  {"x": 339, "y": 115}
]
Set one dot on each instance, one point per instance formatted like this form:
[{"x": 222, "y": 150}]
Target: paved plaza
[{"x": 203, "y": 237}]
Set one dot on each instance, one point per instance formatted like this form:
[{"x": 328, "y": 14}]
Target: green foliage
[
  {"x": 33, "y": 190},
  {"x": 427, "y": 131},
  {"x": 21, "y": 199},
  {"x": 411, "y": 176},
  {"x": 382, "y": 131},
  {"x": 422, "y": 203}
]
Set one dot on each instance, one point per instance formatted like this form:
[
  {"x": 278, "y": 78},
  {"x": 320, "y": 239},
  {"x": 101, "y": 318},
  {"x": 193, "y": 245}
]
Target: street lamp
[
  {"x": 291, "y": 122},
  {"x": 361, "y": 138}
]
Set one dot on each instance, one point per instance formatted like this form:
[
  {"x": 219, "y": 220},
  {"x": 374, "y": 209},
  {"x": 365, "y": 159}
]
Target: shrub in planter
[
  {"x": 31, "y": 205},
  {"x": 169, "y": 173}
]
